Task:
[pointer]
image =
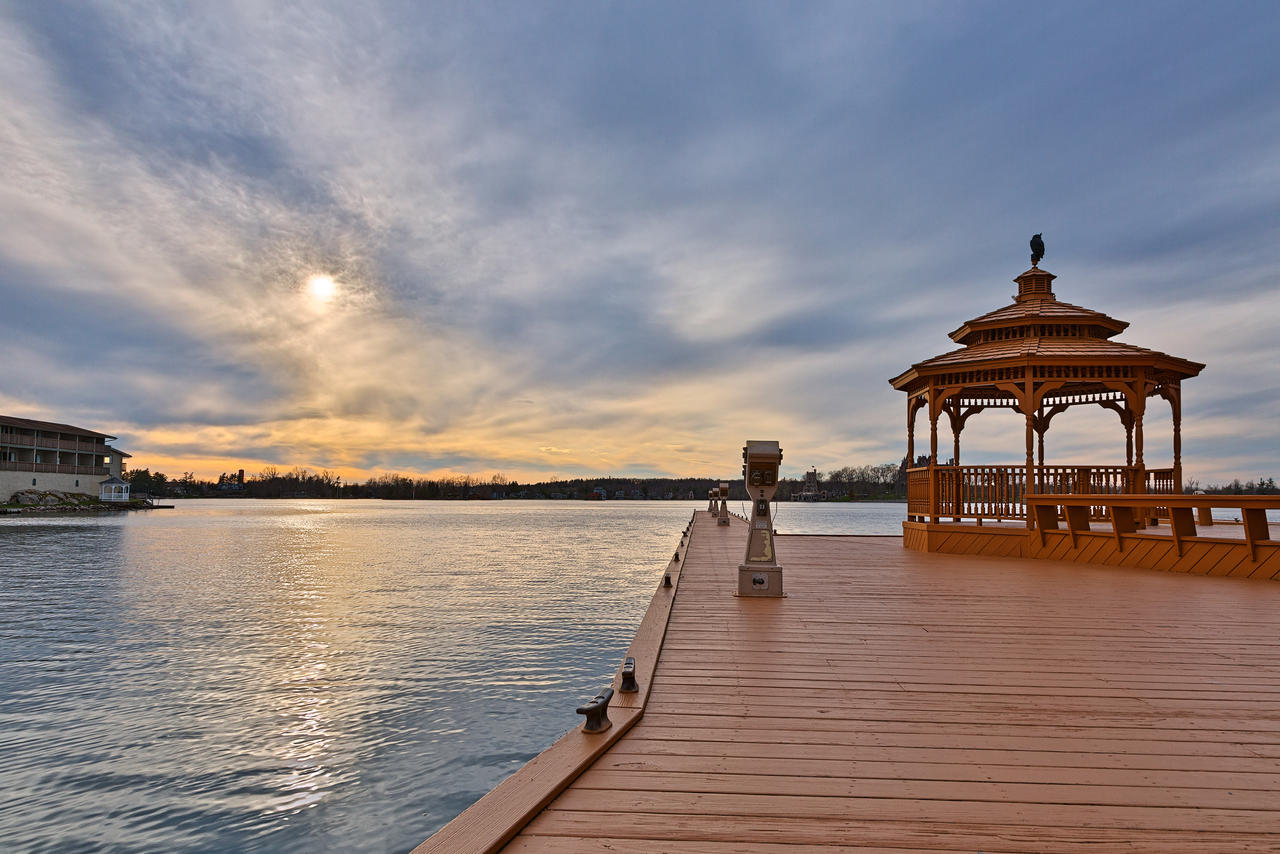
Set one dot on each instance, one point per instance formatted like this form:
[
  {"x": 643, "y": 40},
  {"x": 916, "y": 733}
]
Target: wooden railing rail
[
  {"x": 52, "y": 468},
  {"x": 1122, "y": 511},
  {"x": 997, "y": 492},
  {"x": 18, "y": 440}
]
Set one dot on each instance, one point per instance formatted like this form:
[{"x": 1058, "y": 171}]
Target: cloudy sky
[{"x": 563, "y": 238}]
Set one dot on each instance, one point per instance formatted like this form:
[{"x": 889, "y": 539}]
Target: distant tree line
[
  {"x": 883, "y": 482},
  {"x": 887, "y": 480},
  {"x": 269, "y": 483},
  {"x": 1261, "y": 486}
]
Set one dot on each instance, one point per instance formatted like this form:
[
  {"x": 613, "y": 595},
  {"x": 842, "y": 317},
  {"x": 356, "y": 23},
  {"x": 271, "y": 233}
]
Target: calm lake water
[{"x": 244, "y": 675}]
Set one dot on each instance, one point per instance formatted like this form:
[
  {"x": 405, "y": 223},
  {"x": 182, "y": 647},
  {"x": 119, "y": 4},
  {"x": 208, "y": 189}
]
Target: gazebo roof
[
  {"x": 1038, "y": 330},
  {"x": 1044, "y": 310},
  {"x": 1056, "y": 350}
]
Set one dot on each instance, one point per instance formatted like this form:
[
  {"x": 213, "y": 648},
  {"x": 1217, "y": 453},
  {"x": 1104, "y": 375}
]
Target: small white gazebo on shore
[{"x": 113, "y": 489}]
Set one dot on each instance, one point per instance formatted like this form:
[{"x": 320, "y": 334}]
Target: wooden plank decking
[{"x": 899, "y": 701}]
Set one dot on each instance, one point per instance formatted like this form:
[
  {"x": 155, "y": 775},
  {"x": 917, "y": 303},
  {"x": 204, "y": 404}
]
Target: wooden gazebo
[{"x": 1037, "y": 356}]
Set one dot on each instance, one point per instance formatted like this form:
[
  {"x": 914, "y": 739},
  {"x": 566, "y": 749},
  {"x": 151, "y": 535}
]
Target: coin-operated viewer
[{"x": 760, "y": 574}]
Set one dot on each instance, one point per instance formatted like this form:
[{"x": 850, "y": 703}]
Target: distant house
[
  {"x": 810, "y": 492},
  {"x": 47, "y": 456},
  {"x": 231, "y": 482}
]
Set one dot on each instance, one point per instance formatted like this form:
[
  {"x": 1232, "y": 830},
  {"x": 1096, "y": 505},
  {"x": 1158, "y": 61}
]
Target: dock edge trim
[{"x": 491, "y": 822}]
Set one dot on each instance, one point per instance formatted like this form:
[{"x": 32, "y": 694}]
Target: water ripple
[{"x": 301, "y": 675}]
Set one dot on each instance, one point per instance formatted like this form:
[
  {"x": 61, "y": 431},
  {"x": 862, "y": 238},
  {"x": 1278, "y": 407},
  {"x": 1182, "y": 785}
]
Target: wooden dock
[{"x": 900, "y": 701}]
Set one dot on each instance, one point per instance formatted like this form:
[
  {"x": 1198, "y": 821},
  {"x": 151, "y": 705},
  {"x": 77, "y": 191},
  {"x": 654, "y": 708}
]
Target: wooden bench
[{"x": 1122, "y": 511}]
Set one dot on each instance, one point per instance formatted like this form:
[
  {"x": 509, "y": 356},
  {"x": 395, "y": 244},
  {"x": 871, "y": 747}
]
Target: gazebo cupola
[{"x": 1037, "y": 356}]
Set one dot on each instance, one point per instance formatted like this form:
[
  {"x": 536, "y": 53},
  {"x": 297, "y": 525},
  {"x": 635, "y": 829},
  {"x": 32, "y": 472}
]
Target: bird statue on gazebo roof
[{"x": 1037, "y": 249}]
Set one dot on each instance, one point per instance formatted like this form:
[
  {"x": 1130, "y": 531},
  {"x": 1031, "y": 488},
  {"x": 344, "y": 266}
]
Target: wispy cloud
[{"x": 614, "y": 239}]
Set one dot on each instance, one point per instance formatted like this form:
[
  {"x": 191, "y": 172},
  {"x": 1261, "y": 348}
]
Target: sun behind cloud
[{"x": 322, "y": 288}]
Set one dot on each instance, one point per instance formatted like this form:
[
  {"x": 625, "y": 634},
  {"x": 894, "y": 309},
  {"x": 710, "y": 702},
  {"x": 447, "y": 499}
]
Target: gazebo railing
[
  {"x": 991, "y": 492},
  {"x": 996, "y": 492},
  {"x": 918, "y": 481},
  {"x": 1162, "y": 482}
]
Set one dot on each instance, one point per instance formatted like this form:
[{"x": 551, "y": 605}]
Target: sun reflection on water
[{"x": 293, "y": 676}]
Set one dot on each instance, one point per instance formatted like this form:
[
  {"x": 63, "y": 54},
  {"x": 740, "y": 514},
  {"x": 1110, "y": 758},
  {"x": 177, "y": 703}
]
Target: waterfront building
[
  {"x": 810, "y": 491},
  {"x": 46, "y": 455}
]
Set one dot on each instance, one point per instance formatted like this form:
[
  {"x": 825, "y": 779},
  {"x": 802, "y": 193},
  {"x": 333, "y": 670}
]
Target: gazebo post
[
  {"x": 957, "y": 424},
  {"x": 1138, "y": 402},
  {"x": 911, "y": 432},
  {"x": 1044, "y": 428},
  {"x": 1174, "y": 393},
  {"x": 934, "y": 412},
  {"x": 1137, "y": 441},
  {"x": 1138, "y": 407},
  {"x": 1128, "y": 440},
  {"x": 1029, "y": 409},
  {"x": 1031, "y": 466},
  {"x": 933, "y": 431}
]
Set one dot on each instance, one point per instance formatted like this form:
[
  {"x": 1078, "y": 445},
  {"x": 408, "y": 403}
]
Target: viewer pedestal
[{"x": 760, "y": 574}]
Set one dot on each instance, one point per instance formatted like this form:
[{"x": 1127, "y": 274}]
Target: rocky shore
[{"x": 56, "y": 501}]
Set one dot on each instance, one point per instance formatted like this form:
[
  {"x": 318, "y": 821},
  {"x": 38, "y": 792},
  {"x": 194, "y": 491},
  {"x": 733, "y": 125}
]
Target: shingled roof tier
[{"x": 1038, "y": 331}]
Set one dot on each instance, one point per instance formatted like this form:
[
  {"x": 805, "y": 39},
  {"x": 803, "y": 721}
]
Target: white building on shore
[{"x": 45, "y": 455}]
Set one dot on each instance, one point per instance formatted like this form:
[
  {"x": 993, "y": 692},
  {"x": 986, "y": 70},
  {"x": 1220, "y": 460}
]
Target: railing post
[
  {"x": 1137, "y": 476},
  {"x": 934, "y": 474},
  {"x": 958, "y": 507}
]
